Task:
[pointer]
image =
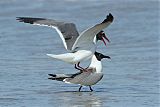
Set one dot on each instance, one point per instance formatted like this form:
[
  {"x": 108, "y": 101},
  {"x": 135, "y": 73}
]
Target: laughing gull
[
  {"x": 92, "y": 76},
  {"x": 81, "y": 46}
]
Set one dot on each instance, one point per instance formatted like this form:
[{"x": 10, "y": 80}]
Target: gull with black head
[{"x": 91, "y": 77}]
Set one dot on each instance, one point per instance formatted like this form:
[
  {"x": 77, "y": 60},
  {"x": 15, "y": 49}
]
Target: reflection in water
[{"x": 74, "y": 99}]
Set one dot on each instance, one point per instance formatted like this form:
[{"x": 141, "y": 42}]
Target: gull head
[
  {"x": 102, "y": 36},
  {"x": 100, "y": 56}
]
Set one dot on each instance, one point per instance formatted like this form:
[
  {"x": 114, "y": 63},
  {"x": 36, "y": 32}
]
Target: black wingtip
[
  {"x": 51, "y": 78},
  {"x": 19, "y": 19},
  {"x": 109, "y": 18},
  {"x": 53, "y": 75},
  {"x": 28, "y": 19}
]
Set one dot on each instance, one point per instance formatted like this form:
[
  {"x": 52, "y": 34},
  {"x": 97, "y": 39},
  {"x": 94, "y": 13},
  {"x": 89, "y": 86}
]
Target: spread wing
[
  {"x": 67, "y": 31},
  {"x": 87, "y": 36}
]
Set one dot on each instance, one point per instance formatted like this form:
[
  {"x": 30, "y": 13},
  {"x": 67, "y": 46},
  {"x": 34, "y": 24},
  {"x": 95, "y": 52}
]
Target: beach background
[{"x": 131, "y": 77}]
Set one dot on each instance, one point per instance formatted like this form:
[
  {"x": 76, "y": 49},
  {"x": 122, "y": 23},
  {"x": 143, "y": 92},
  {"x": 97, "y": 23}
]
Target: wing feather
[{"x": 67, "y": 31}]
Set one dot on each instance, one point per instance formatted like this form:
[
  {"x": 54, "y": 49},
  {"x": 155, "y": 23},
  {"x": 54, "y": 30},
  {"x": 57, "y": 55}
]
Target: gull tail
[
  {"x": 52, "y": 55},
  {"x": 68, "y": 57}
]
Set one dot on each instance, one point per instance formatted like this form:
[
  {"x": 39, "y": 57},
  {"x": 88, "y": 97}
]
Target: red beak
[
  {"x": 104, "y": 37},
  {"x": 103, "y": 41}
]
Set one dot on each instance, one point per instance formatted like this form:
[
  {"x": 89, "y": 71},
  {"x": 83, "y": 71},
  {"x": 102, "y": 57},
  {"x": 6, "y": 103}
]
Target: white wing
[
  {"x": 86, "y": 37},
  {"x": 67, "y": 31}
]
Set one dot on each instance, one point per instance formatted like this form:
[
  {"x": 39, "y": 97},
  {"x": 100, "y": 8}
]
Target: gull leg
[
  {"x": 80, "y": 88},
  {"x": 77, "y": 68},
  {"x": 83, "y": 69},
  {"x": 80, "y": 66},
  {"x": 90, "y": 88}
]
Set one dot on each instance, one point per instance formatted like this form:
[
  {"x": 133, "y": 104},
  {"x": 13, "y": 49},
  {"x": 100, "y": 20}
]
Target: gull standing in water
[
  {"x": 80, "y": 46},
  {"x": 91, "y": 77}
]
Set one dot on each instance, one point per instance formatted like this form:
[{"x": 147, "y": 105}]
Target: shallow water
[{"x": 131, "y": 77}]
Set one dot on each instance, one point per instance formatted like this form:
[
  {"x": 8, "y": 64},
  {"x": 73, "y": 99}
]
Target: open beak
[
  {"x": 103, "y": 41},
  {"x": 104, "y": 37}
]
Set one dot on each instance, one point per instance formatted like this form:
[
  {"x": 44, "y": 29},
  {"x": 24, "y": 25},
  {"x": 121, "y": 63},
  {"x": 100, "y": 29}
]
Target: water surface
[{"x": 131, "y": 77}]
